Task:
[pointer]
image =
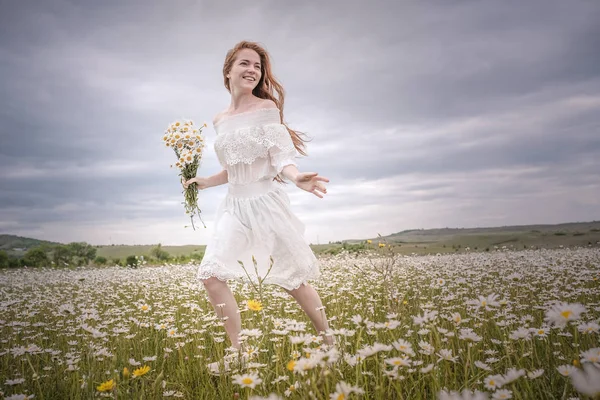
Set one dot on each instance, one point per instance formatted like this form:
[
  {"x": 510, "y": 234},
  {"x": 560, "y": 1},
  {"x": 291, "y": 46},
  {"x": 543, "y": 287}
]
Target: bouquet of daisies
[{"x": 188, "y": 143}]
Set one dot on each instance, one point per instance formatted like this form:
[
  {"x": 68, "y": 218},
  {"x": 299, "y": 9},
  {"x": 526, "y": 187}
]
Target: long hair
[{"x": 267, "y": 87}]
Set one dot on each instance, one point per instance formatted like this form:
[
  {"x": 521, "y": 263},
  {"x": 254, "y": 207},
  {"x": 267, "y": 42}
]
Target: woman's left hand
[{"x": 312, "y": 183}]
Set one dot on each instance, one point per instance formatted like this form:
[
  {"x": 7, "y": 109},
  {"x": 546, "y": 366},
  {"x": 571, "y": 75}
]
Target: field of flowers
[{"x": 498, "y": 325}]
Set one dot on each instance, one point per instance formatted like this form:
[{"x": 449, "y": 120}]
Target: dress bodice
[{"x": 253, "y": 145}]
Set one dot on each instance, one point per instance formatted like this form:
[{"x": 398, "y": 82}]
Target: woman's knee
[
  {"x": 212, "y": 283},
  {"x": 299, "y": 289}
]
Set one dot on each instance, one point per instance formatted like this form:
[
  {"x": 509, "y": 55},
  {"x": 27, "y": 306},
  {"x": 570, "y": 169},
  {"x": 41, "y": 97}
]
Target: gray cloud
[{"x": 423, "y": 115}]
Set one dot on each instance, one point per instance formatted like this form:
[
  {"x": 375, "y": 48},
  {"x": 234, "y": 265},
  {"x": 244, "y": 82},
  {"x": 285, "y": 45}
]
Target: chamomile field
[{"x": 487, "y": 325}]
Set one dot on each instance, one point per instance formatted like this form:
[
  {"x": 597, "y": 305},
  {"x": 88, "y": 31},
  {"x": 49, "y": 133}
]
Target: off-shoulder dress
[{"x": 255, "y": 219}]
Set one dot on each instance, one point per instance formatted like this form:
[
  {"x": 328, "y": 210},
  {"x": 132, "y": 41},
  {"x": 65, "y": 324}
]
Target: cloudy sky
[{"x": 422, "y": 114}]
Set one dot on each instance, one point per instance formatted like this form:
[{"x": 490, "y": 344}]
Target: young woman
[{"x": 256, "y": 150}]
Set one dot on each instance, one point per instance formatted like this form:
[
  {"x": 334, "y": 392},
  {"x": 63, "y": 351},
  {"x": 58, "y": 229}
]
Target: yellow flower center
[
  {"x": 566, "y": 314},
  {"x": 541, "y": 332},
  {"x": 290, "y": 365},
  {"x": 342, "y": 396}
]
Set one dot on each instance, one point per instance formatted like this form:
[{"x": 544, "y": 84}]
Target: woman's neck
[{"x": 242, "y": 101}]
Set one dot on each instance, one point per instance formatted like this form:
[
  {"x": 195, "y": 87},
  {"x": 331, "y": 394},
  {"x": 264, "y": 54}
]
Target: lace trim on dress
[
  {"x": 247, "y": 144},
  {"x": 215, "y": 268}
]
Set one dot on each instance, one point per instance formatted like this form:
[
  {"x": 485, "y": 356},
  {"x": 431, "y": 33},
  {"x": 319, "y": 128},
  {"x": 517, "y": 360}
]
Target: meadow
[{"x": 475, "y": 325}]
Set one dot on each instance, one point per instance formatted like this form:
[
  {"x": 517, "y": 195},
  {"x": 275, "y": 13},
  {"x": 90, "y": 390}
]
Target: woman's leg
[
  {"x": 309, "y": 300},
  {"x": 219, "y": 294}
]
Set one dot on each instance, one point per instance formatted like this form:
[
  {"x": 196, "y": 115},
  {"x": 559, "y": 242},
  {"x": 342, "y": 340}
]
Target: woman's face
[{"x": 245, "y": 72}]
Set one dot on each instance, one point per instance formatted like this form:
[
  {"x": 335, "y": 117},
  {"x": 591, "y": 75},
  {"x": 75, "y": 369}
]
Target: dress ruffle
[{"x": 256, "y": 220}]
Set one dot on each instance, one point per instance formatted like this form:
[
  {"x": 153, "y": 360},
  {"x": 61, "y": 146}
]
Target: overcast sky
[{"x": 422, "y": 114}]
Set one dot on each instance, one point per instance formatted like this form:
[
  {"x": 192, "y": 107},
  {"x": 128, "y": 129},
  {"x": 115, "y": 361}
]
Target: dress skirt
[{"x": 255, "y": 221}]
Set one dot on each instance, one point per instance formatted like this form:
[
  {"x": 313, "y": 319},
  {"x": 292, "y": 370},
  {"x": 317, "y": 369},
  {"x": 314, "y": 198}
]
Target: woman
[{"x": 255, "y": 231}]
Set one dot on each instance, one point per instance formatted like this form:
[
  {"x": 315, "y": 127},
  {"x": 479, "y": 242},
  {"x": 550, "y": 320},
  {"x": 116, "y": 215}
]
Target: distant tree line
[
  {"x": 79, "y": 254},
  {"x": 45, "y": 255}
]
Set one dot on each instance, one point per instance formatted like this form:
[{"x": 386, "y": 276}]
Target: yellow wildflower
[
  {"x": 290, "y": 365},
  {"x": 141, "y": 371},
  {"x": 106, "y": 386},
  {"x": 254, "y": 305}
]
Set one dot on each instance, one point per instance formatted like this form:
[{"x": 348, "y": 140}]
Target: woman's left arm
[{"x": 312, "y": 182}]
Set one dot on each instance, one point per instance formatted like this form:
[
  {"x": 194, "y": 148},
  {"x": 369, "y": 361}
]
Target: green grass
[
  {"x": 65, "y": 332},
  {"x": 122, "y": 251}
]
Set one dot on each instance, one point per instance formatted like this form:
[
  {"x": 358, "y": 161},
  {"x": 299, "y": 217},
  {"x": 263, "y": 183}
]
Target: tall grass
[{"x": 406, "y": 327}]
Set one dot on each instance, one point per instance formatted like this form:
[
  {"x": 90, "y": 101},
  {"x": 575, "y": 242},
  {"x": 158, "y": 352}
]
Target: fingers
[{"x": 319, "y": 190}]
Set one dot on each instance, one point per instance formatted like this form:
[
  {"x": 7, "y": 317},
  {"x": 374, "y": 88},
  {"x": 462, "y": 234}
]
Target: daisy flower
[
  {"x": 589, "y": 327},
  {"x": 465, "y": 395},
  {"x": 587, "y": 381},
  {"x": 591, "y": 356},
  {"x": 398, "y": 362},
  {"x": 493, "y": 382},
  {"x": 445, "y": 354},
  {"x": 247, "y": 380},
  {"x": 482, "y": 365},
  {"x": 343, "y": 390},
  {"x": 561, "y": 313},
  {"x": 535, "y": 374},
  {"x": 502, "y": 394},
  {"x": 566, "y": 370}
]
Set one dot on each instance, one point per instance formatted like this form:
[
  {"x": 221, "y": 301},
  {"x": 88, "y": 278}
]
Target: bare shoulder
[
  {"x": 218, "y": 117},
  {"x": 266, "y": 103}
]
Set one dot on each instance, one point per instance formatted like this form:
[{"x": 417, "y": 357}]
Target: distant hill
[
  {"x": 17, "y": 245},
  {"x": 411, "y": 240},
  {"x": 442, "y": 234}
]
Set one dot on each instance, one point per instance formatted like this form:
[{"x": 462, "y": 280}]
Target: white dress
[{"x": 254, "y": 218}]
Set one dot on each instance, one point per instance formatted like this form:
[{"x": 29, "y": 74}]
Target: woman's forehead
[{"x": 248, "y": 54}]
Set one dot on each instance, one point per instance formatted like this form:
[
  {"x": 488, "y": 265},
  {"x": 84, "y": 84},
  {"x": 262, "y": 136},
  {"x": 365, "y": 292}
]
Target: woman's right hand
[{"x": 201, "y": 183}]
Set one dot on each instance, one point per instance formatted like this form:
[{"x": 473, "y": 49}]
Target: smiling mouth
[{"x": 249, "y": 78}]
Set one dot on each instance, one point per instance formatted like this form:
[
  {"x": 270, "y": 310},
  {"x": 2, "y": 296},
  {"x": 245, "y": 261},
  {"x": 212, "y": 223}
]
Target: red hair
[{"x": 266, "y": 88}]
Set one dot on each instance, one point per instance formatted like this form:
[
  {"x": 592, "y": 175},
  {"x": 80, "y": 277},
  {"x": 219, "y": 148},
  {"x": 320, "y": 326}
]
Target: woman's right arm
[
  {"x": 218, "y": 179},
  {"x": 204, "y": 183}
]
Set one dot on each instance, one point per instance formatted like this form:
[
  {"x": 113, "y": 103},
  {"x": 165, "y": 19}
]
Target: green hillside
[
  {"x": 18, "y": 245},
  {"x": 122, "y": 251},
  {"x": 417, "y": 241}
]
